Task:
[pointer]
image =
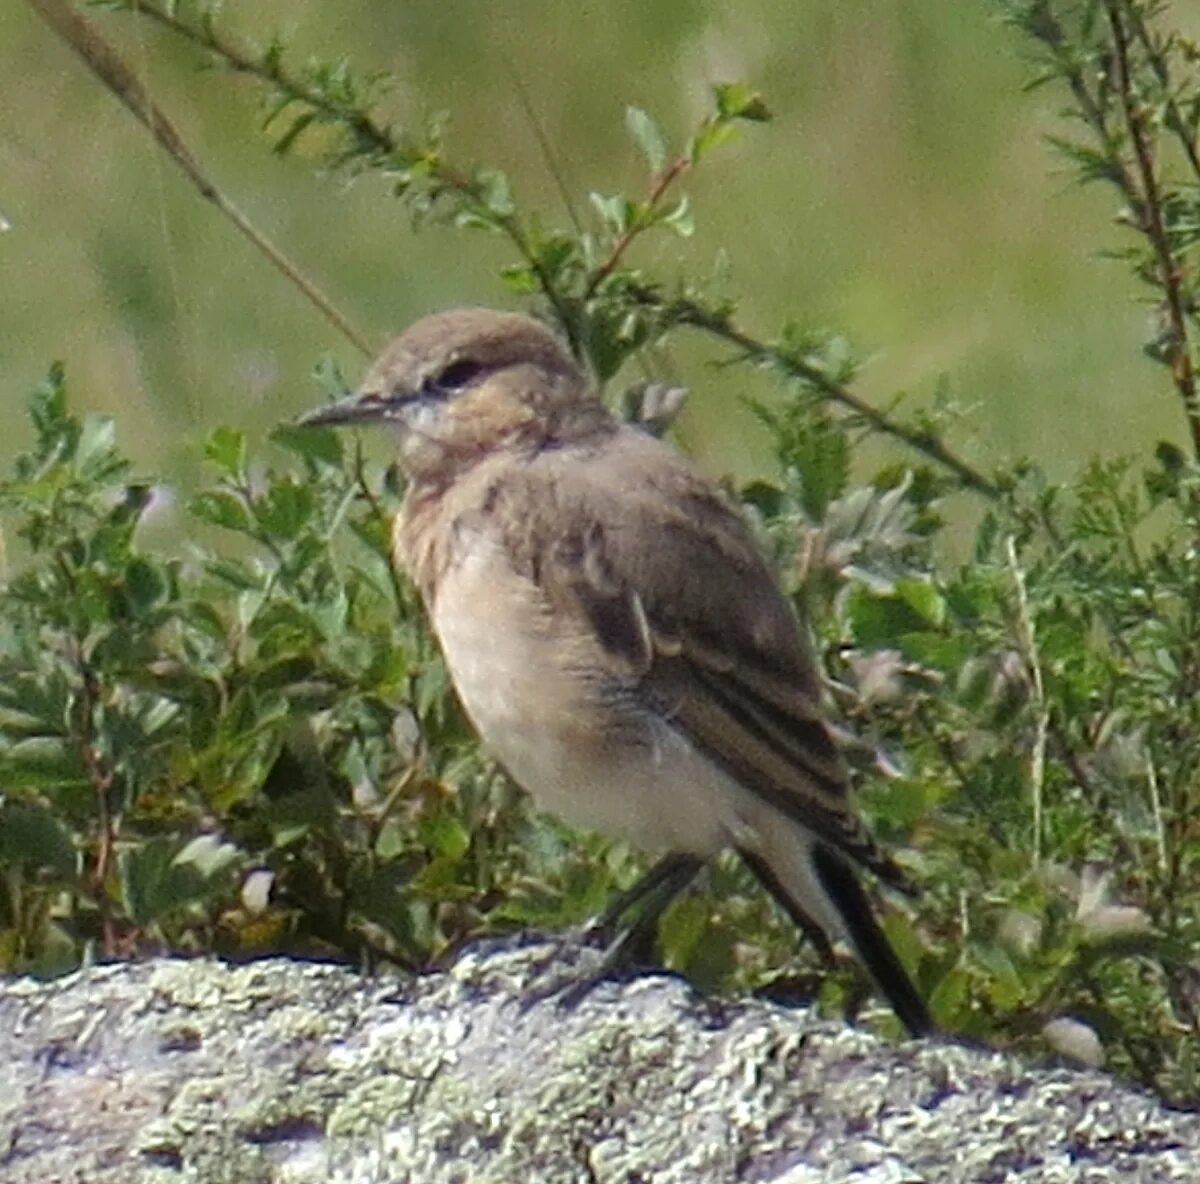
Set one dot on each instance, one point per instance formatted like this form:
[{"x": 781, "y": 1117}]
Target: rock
[{"x": 288, "y": 1072}]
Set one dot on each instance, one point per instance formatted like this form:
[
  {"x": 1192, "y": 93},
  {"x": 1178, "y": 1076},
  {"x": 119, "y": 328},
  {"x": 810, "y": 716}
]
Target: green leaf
[
  {"x": 293, "y": 133},
  {"x": 683, "y": 928},
  {"x": 221, "y": 507},
  {"x": 1004, "y": 982},
  {"x": 768, "y": 498},
  {"x": 680, "y": 219},
  {"x": 648, "y": 137},
  {"x": 735, "y": 100},
  {"x": 144, "y": 872},
  {"x": 495, "y": 191},
  {"x": 616, "y": 211},
  {"x": 97, "y": 460},
  {"x": 286, "y": 508},
  {"x": 32, "y": 836},
  {"x": 881, "y": 620},
  {"x": 445, "y": 835},
  {"x": 711, "y": 135},
  {"x": 163, "y": 875},
  {"x": 226, "y": 449},
  {"x": 237, "y": 573},
  {"x": 819, "y": 459},
  {"x": 520, "y": 278},
  {"x": 57, "y": 432},
  {"x": 924, "y": 599},
  {"x": 950, "y": 1000},
  {"x": 146, "y": 585},
  {"x": 946, "y": 652},
  {"x": 322, "y": 446},
  {"x": 157, "y": 714},
  {"x": 48, "y": 761},
  {"x": 284, "y": 627}
]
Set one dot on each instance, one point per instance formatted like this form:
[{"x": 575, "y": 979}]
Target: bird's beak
[{"x": 360, "y": 407}]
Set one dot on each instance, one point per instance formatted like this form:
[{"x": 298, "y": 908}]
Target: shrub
[{"x": 248, "y": 747}]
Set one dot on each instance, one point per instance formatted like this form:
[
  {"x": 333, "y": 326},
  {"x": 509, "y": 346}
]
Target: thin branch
[
  {"x": 665, "y": 179},
  {"x": 1173, "y": 117},
  {"x": 1027, "y": 640},
  {"x": 238, "y": 58},
  {"x": 1170, "y": 271},
  {"x": 1045, "y": 28},
  {"x": 687, "y": 312},
  {"x": 379, "y": 138},
  {"x": 110, "y": 68},
  {"x": 1139, "y": 188},
  {"x": 381, "y": 516},
  {"x": 1162, "y": 846},
  {"x": 82, "y": 730},
  {"x": 1065, "y": 751}
]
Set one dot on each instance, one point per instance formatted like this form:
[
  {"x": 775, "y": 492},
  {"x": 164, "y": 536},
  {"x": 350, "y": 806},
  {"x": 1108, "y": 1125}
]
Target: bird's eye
[{"x": 458, "y": 375}]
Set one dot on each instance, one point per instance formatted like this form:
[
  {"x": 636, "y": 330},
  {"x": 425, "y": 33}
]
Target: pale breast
[
  {"x": 511, "y": 665},
  {"x": 533, "y": 684}
]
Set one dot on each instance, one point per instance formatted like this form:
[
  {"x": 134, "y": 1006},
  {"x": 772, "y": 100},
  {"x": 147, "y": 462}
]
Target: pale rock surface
[{"x": 283, "y": 1072}]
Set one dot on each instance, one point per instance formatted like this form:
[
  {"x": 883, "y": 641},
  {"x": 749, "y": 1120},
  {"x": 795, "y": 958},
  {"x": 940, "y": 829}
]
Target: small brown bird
[{"x": 614, "y": 633}]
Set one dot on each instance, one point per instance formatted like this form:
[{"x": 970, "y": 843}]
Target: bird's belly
[{"x": 532, "y": 687}]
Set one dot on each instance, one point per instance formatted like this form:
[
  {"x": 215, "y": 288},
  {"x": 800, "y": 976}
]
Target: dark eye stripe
[{"x": 458, "y": 375}]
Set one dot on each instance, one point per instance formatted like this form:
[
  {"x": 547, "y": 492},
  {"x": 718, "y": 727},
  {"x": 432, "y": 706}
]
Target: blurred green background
[{"x": 903, "y": 195}]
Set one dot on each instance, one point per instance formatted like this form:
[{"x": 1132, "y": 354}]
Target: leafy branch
[
  {"x": 1177, "y": 347},
  {"x": 593, "y": 298},
  {"x": 1125, "y": 90},
  {"x": 800, "y": 361},
  {"x": 111, "y": 69}
]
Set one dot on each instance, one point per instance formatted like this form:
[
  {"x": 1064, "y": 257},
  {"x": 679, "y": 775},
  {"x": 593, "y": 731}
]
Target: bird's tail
[
  {"x": 822, "y": 893},
  {"x": 868, "y": 940}
]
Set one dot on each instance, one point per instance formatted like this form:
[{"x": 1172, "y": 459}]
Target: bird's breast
[{"x": 536, "y": 686}]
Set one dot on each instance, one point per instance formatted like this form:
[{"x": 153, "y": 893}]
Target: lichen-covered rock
[{"x": 291, "y": 1072}]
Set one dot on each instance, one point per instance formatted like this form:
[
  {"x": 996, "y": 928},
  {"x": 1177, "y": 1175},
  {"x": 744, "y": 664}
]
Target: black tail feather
[{"x": 870, "y": 944}]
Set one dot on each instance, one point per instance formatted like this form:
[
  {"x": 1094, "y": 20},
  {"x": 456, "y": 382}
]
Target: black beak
[{"x": 356, "y": 408}]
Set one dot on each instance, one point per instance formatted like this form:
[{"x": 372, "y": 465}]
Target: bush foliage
[{"x": 248, "y": 746}]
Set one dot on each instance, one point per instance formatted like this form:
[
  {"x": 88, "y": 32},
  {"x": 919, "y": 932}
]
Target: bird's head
[{"x": 458, "y": 385}]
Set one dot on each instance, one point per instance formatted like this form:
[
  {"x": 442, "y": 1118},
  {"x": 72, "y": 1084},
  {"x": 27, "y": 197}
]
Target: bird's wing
[{"x": 685, "y": 605}]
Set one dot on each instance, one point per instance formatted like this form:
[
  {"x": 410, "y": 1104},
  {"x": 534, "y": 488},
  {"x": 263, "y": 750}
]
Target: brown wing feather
[{"x": 696, "y": 619}]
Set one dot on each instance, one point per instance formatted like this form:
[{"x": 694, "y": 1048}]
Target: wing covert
[{"x": 685, "y": 606}]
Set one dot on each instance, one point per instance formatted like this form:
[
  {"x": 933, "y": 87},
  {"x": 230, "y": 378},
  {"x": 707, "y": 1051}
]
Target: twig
[
  {"x": 101, "y": 780},
  {"x": 1156, "y": 807},
  {"x": 381, "y": 515},
  {"x": 1144, "y": 199},
  {"x": 945, "y": 746},
  {"x": 238, "y": 58},
  {"x": 1027, "y": 640},
  {"x": 379, "y": 138},
  {"x": 1170, "y": 272},
  {"x": 110, "y": 68},
  {"x": 687, "y": 312},
  {"x": 1173, "y": 117},
  {"x": 1065, "y": 751},
  {"x": 1045, "y": 28},
  {"x": 665, "y": 179}
]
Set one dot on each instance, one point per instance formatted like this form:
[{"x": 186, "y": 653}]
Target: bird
[{"x": 613, "y": 630}]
